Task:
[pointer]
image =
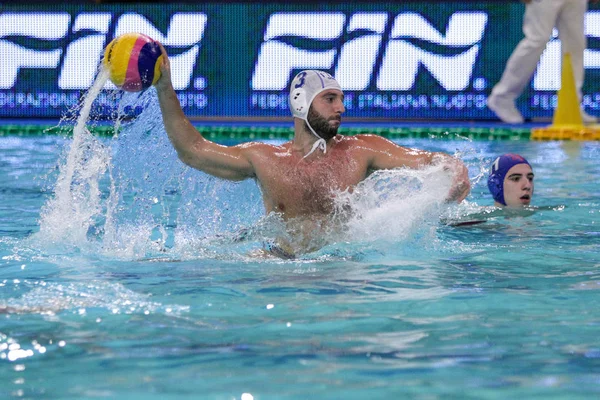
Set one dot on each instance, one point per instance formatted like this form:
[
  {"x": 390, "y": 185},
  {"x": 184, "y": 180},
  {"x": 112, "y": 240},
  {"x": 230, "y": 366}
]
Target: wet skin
[
  {"x": 518, "y": 186},
  {"x": 293, "y": 184}
]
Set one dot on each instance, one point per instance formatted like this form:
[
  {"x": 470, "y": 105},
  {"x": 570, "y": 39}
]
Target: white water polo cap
[
  {"x": 306, "y": 86},
  {"x": 303, "y": 90}
]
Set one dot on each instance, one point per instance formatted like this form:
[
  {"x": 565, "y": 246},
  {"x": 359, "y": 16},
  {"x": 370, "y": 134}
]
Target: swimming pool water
[{"x": 137, "y": 290}]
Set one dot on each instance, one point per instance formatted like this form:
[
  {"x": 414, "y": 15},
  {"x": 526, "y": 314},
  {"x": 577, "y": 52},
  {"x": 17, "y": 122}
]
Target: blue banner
[{"x": 403, "y": 60}]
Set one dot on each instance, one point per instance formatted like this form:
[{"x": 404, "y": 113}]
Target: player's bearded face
[{"x": 321, "y": 124}]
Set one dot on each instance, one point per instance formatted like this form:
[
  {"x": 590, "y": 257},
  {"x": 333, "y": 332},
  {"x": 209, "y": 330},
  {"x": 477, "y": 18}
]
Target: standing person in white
[{"x": 541, "y": 16}]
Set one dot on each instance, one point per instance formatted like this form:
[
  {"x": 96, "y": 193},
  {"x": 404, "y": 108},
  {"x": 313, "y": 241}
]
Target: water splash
[
  {"x": 67, "y": 216},
  {"x": 395, "y": 206},
  {"x": 130, "y": 197}
]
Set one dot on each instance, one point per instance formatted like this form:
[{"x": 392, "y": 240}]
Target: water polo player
[
  {"x": 298, "y": 178},
  {"x": 511, "y": 181}
]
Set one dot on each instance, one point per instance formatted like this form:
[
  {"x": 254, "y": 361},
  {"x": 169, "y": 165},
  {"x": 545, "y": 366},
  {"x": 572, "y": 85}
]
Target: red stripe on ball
[{"x": 133, "y": 81}]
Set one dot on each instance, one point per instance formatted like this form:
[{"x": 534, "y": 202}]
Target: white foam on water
[{"x": 52, "y": 298}]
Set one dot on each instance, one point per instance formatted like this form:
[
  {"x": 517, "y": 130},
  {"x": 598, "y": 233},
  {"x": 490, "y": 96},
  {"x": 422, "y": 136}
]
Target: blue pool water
[{"x": 121, "y": 276}]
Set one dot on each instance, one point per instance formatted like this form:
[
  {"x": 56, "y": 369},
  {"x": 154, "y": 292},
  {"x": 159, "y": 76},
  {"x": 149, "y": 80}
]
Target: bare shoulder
[
  {"x": 382, "y": 153},
  {"x": 260, "y": 149},
  {"x": 373, "y": 142}
]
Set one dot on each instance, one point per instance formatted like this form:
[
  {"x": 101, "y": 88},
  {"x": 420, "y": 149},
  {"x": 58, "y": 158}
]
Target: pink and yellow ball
[{"x": 133, "y": 61}]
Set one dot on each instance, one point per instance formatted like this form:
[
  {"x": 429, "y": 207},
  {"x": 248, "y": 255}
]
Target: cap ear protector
[
  {"x": 496, "y": 188},
  {"x": 298, "y": 101},
  {"x": 305, "y": 86}
]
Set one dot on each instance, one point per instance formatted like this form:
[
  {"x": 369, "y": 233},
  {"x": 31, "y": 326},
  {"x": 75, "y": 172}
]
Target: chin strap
[{"x": 319, "y": 144}]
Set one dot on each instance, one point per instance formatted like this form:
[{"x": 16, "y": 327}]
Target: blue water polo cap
[{"x": 498, "y": 171}]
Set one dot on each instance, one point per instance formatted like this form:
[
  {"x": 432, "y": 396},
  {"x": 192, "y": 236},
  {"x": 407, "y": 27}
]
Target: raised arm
[
  {"x": 228, "y": 162},
  {"x": 385, "y": 154}
]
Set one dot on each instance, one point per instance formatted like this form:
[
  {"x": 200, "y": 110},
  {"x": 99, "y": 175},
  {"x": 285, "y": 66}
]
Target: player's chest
[{"x": 312, "y": 180}]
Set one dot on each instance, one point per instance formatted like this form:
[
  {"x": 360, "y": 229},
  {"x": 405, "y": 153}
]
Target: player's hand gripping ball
[{"x": 133, "y": 61}]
